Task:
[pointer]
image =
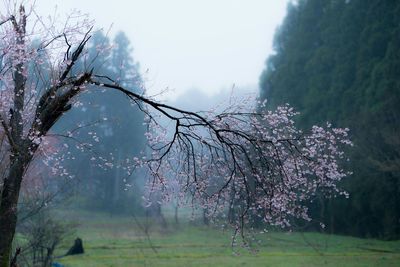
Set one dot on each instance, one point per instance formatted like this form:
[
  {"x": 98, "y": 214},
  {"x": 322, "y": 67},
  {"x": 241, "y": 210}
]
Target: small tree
[
  {"x": 263, "y": 163},
  {"x": 42, "y": 234}
]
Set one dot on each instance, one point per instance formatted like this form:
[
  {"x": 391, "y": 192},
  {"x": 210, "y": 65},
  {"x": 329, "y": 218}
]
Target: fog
[
  {"x": 209, "y": 45},
  {"x": 199, "y": 133}
]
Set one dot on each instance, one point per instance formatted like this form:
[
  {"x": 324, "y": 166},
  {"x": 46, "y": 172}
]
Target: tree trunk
[
  {"x": 206, "y": 220},
  {"x": 176, "y": 214},
  {"x": 8, "y": 209},
  {"x": 117, "y": 205}
]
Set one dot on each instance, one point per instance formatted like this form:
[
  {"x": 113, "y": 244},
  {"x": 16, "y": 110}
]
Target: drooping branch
[{"x": 259, "y": 158}]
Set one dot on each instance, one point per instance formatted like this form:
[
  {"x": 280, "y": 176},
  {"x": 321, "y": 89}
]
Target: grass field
[{"x": 111, "y": 241}]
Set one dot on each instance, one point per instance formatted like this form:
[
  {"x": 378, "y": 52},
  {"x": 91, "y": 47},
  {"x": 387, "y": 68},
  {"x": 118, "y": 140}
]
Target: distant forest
[{"x": 339, "y": 61}]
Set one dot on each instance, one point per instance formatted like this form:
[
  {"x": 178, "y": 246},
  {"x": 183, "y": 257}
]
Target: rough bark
[
  {"x": 19, "y": 157},
  {"x": 8, "y": 209},
  {"x": 51, "y": 106}
]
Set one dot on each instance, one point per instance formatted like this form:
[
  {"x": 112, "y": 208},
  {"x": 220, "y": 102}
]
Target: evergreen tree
[
  {"x": 339, "y": 60},
  {"x": 122, "y": 134}
]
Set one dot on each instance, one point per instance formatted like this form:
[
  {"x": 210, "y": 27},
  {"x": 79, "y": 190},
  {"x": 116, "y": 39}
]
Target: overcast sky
[{"x": 186, "y": 44}]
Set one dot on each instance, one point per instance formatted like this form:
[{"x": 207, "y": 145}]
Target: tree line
[{"x": 339, "y": 61}]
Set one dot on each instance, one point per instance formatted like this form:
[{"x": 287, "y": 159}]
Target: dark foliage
[{"x": 339, "y": 60}]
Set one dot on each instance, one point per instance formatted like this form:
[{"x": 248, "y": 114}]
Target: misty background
[
  {"x": 334, "y": 61},
  {"x": 181, "y": 45}
]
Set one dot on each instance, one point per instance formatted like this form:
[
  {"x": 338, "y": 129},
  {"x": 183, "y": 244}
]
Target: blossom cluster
[{"x": 244, "y": 162}]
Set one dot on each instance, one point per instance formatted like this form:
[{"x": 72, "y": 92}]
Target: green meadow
[{"x": 122, "y": 241}]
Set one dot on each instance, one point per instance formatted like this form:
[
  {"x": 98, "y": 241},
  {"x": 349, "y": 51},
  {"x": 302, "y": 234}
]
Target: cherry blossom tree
[{"x": 249, "y": 160}]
